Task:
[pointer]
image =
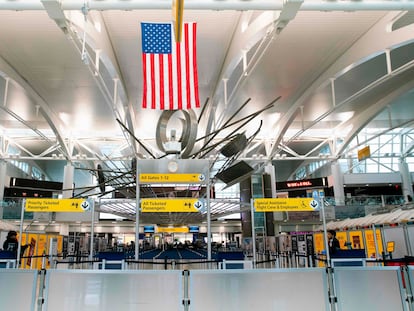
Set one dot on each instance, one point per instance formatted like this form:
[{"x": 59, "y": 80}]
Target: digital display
[
  {"x": 300, "y": 184},
  {"x": 149, "y": 229},
  {"x": 193, "y": 229}
]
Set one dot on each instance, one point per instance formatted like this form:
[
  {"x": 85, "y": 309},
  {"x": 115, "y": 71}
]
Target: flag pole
[{"x": 178, "y": 14}]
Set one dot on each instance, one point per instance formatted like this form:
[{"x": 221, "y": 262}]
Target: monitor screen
[
  {"x": 193, "y": 229},
  {"x": 149, "y": 229}
]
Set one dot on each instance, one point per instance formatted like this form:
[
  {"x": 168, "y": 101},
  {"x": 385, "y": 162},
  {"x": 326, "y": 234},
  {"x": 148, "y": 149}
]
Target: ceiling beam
[
  {"x": 45, "y": 110},
  {"x": 320, "y": 5}
]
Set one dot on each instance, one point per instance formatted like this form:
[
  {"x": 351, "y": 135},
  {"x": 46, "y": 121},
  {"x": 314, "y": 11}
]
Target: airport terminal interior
[{"x": 220, "y": 154}]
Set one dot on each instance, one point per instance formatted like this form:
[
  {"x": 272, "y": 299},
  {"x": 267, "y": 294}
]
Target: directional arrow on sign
[
  {"x": 201, "y": 177},
  {"x": 198, "y": 205},
  {"x": 85, "y": 205},
  {"x": 314, "y": 204}
]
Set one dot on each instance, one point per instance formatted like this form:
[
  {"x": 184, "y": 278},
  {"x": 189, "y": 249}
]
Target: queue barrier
[
  {"x": 312, "y": 289},
  {"x": 264, "y": 289},
  {"x": 236, "y": 264},
  {"x": 108, "y": 290},
  {"x": 7, "y": 263}
]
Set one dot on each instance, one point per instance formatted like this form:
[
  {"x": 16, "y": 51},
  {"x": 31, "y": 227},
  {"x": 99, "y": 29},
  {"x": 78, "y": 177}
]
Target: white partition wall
[
  {"x": 71, "y": 290},
  {"x": 18, "y": 289},
  {"x": 369, "y": 289},
  {"x": 410, "y": 233},
  {"x": 396, "y": 235},
  {"x": 257, "y": 290}
]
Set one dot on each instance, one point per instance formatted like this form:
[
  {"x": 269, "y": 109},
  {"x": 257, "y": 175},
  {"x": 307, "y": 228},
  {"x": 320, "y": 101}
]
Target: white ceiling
[{"x": 53, "y": 103}]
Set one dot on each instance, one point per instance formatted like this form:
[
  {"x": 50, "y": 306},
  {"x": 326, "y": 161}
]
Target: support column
[
  {"x": 68, "y": 173},
  {"x": 245, "y": 196},
  {"x": 3, "y": 170},
  {"x": 406, "y": 181},
  {"x": 269, "y": 183},
  {"x": 338, "y": 183}
]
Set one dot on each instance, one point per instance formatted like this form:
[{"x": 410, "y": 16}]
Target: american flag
[{"x": 169, "y": 67}]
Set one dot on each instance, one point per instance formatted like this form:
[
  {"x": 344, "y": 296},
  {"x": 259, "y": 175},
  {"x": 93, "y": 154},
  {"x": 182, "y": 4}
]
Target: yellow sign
[
  {"x": 184, "y": 205},
  {"x": 172, "y": 178},
  {"x": 173, "y": 230},
  {"x": 57, "y": 205},
  {"x": 364, "y": 153},
  {"x": 370, "y": 242},
  {"x": 285, "y": 205},
  {"x": 390, "y": 246}
]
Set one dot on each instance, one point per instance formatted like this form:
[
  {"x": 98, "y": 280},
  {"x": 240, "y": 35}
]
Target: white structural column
[
  {"x": 270, "y": 169},
  {"x": 406, "y": 181},
  {"x": 68, "y": 173},
  {"x": 338, "y": 183},
  {"x": 3, "y": 170}
]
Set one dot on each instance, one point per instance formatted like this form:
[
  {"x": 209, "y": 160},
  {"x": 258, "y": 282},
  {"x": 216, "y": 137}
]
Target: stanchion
[
  {"x": 41, "y": 299},
  {"x": 186, "y": 299},
  {"x": 331, "y": 290},
  {"x": 408, "y": 293}
]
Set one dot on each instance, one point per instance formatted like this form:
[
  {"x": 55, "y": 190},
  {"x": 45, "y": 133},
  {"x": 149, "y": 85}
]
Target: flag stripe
[
  {"x": 187, "y": 67},
  {"x": 170, "y": 78},
  {"x": 152, "y": 81},
  {"x": 179, "y": 77},
  {"x": 144, "y": 66},
  {"x": 162, "y": 84},
  {"x": 170, "y": 85},
  {"x": 195, "y": 73}
]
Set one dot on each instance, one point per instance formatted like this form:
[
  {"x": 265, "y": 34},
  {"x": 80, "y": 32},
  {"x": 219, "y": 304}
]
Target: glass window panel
[
  {"x": 402, "y": 55},
  {"x": 359, "y": 77}
]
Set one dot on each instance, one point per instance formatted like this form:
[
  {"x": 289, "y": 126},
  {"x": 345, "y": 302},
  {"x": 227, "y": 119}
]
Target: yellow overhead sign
[
  {"x": 285, "y": 205},
  {"x": 172, "y": 178},
  {"x": 173, "y": 230},
  {"x": 57, "y": 205},
  {"x": 364, "y": 153},
  {"x": 184, "y": 205}
]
